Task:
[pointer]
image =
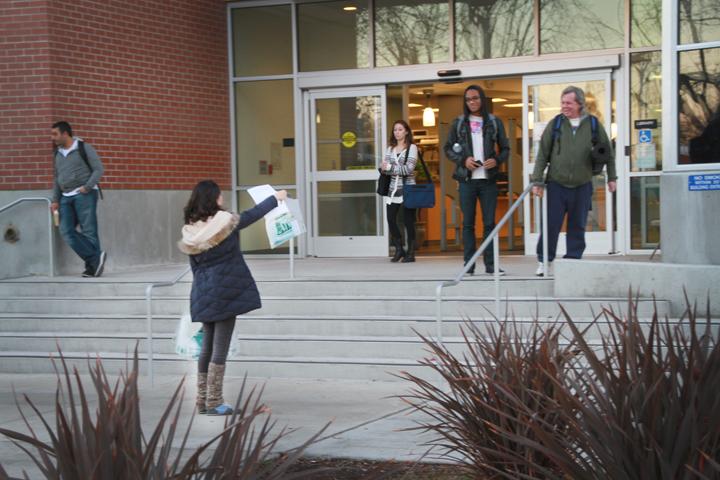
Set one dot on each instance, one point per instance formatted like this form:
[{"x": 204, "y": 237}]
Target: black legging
[
  {"x": 216, "y": 343},
  {"x": 408, "y": 219}
]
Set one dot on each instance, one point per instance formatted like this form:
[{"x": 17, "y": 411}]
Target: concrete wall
[
  {"x": 597, "y": 278},
  {"x": 690, "y": 230},
  {"x": 137, "y": 227}
]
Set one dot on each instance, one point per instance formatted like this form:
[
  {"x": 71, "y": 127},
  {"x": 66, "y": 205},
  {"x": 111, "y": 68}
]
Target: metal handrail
[
  {"x": 148, "y": 306},
  {"x": 50, "y": 225},
  {"x": 496, "y": 254}
]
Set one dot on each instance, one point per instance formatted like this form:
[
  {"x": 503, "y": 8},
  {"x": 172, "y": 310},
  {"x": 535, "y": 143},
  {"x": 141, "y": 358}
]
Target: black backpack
[
  {"x": 83, "y": 155},
  {"x": 600, "y": 153}
]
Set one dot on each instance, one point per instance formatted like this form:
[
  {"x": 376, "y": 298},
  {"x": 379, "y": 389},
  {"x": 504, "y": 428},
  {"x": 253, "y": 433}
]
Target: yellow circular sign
[{"x": 349, "y": 139}]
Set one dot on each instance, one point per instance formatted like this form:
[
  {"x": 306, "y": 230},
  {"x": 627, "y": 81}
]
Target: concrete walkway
[{"x": 366, "y": 418}]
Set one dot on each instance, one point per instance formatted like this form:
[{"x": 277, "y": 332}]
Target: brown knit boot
[
  {"x": 215, "y": 404},
  {"x": 202, "y": 385}
]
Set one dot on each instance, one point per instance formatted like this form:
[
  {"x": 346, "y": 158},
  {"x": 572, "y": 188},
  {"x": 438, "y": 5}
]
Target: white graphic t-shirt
[{"x": 476, "y": 133}]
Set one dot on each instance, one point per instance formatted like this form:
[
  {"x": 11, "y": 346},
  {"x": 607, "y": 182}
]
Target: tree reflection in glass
[
  {"x": 573, "y": 25},
  {"x": 493, "y": 29},
  {"x": 699, "y": 109},
  {"x": 411, "y": 32}
]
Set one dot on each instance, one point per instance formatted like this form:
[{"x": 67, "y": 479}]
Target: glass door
[
  {"x": 541, "y": 103},
  {"x": 347, "y": 138}
]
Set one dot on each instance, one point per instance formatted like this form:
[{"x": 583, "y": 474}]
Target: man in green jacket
[{"x": 569, "y": 176}]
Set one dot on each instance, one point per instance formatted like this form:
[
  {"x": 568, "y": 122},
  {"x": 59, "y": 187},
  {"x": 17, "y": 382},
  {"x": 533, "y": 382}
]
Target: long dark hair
[
  {"x": 203, "y": 202},
  {"x": 483, "y": 102},
  {"x": 408, "y": 136}
]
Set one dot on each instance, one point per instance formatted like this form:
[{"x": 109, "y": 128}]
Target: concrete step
[
  {"x": 85, "y": 322},
  {"x": 248, "y": 324},
  {"x": 308, "y": 345},
  {"x": 381, "y": 369},
  {"x": 472, "y": 307},
  {"x": 481, "y": 285}
]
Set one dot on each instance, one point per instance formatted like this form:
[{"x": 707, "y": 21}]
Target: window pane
[
  {"x": 646, "y": 104},
  {"x": 646, "y": 23},
  {"x": 262, "y": 41},
  {"x": 264, "y": 131},
  {"x": 567, "y": 26},
  {"x": 348, "y": 137},
  {"x": 409, "y": 32},
  {"x": 699, "y": 109},
  {"x": 699, "y": 21},
  {"x": 323, "y": 24},
  {"x": 347, "y": 208},
  {"x": 644, "y": 212},
  {"x": 254, "y": 239},
  {"x": 493, "y": 29}
]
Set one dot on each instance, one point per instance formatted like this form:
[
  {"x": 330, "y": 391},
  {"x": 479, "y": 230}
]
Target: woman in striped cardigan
[{"x": 399, "y": 162}]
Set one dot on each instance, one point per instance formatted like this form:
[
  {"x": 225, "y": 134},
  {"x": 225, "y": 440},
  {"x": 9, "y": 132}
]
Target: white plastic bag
[
  {"x": 282, "y": 222},
  {"x": 188, "y": 338}
]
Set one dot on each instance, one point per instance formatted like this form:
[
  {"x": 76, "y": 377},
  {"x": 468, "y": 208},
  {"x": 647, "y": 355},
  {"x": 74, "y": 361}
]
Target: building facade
[{"x": 301, "y": 95}]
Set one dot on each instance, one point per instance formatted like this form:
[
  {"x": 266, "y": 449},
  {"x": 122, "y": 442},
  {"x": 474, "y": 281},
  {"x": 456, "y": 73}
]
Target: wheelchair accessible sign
[{"x": 703, "y": 183}]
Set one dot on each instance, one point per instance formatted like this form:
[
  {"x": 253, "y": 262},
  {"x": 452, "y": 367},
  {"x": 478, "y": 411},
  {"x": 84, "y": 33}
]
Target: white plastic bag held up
[{"x": 282, "y": 222}]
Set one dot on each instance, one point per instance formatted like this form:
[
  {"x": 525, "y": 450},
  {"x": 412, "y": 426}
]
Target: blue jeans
[
  {"x": 81, "y": 210},
  {"x": 470, "y": 192},
  {"x": 576, "y": 203}
]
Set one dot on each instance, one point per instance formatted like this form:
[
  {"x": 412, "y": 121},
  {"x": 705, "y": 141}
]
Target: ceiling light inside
[{"x": 350, "y": 8}]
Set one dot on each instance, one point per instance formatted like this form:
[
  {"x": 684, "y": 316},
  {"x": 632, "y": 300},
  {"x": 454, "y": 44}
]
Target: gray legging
[{"x": 216, "y": 343}]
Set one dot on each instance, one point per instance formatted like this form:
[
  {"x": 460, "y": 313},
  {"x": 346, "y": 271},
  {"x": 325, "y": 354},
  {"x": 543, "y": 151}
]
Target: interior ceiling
[{"x": 509, "y": 88}]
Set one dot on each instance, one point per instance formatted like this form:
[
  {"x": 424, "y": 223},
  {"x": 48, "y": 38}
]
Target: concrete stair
[{"x": 362, "y": 329}]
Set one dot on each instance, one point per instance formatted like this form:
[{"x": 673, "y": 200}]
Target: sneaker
[
  {"x": 222, "y": 409},
  {"x": 101, "y": 264},
  {"x": 88, "y": 273},
  {"x": 491, "y": 271},
  {"x": 540, "y": 272}
]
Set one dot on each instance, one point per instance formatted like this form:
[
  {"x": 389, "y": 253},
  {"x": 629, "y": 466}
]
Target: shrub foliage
[{"x": 617, "y": 398}]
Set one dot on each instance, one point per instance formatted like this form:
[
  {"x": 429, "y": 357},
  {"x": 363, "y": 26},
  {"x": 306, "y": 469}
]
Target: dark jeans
[
  {"x": 576, "y": 203},
  {"x": 408, "y": 219},
  {"x": 470, "y": 192},
  {"x": 81, "y": 210},
  {"x": 217, "y": 337}
]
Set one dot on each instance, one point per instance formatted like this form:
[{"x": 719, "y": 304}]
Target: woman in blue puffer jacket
[{"x": 222, "y": 284}]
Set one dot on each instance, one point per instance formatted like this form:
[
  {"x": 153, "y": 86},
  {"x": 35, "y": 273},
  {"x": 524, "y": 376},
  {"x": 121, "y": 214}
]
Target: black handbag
[
  {"x": 383, "y": 183},
  {"x": 420, "y": 195}
]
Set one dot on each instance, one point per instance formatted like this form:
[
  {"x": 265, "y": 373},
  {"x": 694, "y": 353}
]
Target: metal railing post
[
  {"x": 438, "y": 314},
  {"x": 496, "y": 274},
  {"x": 149, "y": 318},
  {"x": 149, "y": 327},
  {"x": 546, "y": 261},
  {"x": 494, "y": 237},
  {"x": 292, "y": 258}
]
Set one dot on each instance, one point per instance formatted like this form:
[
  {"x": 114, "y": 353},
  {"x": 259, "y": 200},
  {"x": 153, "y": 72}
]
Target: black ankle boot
[
  {"x": 399, "y": 251},
  {"x": 410, "y": 255}
]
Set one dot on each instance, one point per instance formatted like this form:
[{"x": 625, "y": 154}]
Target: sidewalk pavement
[{"x": 366, "y": 418}]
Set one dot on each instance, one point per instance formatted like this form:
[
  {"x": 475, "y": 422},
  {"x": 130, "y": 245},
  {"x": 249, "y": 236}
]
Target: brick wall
[
  {"x": 144, "y": 81},
  {"x": 25, "y": 107}
]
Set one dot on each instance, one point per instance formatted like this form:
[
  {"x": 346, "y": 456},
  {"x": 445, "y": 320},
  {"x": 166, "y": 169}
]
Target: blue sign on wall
[{"x": 699, "y": 183}]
